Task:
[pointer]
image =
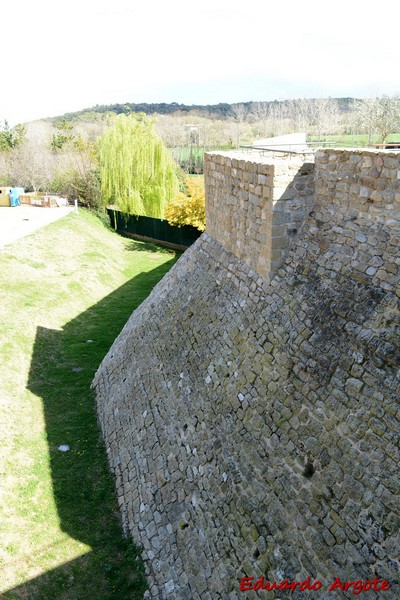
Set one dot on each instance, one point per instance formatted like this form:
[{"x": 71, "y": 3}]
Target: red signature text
[
  {"x": 248, "y": 584},
  {"x": 260, "y": 584},
  {"x": 358, "y": 586}
]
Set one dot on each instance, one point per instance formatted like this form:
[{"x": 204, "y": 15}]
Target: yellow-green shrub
[{"x": 188, "y": 208}]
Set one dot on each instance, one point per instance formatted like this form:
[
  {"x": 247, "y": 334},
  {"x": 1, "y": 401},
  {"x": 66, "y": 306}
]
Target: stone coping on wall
[
  {"x": 363, "y": 150},
  {"x": 262, "y": 157}
]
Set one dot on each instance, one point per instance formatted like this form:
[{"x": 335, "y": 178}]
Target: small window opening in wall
[{"x": 308, "y": 470}]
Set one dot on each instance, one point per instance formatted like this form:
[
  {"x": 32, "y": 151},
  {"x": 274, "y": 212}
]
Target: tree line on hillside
[
  {"x": 223, "y": 110},
  {"x": 136, "y": 161}
]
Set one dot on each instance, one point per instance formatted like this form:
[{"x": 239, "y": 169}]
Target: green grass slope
[{"x": 65, "y": 293}]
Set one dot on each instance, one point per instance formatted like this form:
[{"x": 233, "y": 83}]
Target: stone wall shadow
[{"x": 62, "y": 368}]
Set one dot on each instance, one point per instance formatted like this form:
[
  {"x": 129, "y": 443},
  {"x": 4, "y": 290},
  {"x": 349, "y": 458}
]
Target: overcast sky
[{"x": 61, "y": 56}]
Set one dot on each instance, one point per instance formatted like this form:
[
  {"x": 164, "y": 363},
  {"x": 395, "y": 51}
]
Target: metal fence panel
[{"x": 158, "y": 230}]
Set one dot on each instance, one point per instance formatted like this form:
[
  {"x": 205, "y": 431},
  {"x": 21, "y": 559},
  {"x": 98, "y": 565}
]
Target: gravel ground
[{"x": 19, "y": 221}]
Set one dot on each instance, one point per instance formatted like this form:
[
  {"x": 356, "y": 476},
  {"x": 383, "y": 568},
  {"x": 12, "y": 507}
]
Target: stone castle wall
[
  {"x": 255, "y": 205},
  {"x": 251, "y": 421}
]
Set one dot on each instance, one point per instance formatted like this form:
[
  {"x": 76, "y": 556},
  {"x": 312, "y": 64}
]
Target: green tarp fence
[{"x": 156, "y": 229}]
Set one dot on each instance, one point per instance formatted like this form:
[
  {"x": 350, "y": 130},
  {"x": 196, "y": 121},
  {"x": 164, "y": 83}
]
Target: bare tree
[
  {"x": 260, "y": 112},
  {"x": 239, "y": 113},
  {"x": 323, "y": 116},
  {"x": 298, "y": 112},
  {"x": 379, "y": 115},
  {"x": 280, "y": 118},
  {"x": 30, "y": 166}
]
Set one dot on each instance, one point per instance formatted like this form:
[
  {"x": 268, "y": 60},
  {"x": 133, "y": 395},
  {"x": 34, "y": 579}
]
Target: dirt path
[{"x": 20, "y": 221}]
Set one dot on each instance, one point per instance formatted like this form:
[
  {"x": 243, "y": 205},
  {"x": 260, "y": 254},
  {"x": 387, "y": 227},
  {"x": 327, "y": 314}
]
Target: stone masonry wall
[
  {"x": 252, "y": 423},
  {"x": 255, "y": 205}
]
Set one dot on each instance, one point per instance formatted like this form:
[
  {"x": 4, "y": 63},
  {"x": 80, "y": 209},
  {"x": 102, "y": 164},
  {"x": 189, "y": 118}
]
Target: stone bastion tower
[{"x": 249, "y": 407}]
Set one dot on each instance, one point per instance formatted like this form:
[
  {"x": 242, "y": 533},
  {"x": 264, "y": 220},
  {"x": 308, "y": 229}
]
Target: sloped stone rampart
[{"x": 252, "y": 425}]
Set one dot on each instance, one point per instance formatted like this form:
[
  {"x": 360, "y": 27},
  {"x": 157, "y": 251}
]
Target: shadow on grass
[
  {"x": 63, "y": 365},
  {"x": 140, "y": 246}
]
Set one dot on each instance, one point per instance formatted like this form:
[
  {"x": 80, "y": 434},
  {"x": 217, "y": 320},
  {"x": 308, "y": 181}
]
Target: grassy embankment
[{"x": 69, "y": 283}]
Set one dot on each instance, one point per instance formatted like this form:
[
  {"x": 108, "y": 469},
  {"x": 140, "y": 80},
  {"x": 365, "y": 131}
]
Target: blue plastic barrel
[{"x": 14, "y": 196}]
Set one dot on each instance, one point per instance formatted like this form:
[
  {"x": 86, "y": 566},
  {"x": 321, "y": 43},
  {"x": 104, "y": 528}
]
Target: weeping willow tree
[{"x": 137, "y": 174}]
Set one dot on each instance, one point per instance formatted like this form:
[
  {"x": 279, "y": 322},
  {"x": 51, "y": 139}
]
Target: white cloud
[{"x": 67, "y": 56}]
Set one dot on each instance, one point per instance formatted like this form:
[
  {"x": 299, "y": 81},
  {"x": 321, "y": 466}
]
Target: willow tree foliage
[{"x": 137, "y": 174}]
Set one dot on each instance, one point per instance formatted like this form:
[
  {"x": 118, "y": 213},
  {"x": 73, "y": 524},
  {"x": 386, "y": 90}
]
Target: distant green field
[
  {"x": 352, "y": 140},
  {"x": 192, "y": 157}
]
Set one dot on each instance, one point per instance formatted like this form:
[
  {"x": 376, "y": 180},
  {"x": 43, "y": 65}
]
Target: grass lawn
[
  {"x": 353, "y": 140},
  {"x": 65, "y": 293}
]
